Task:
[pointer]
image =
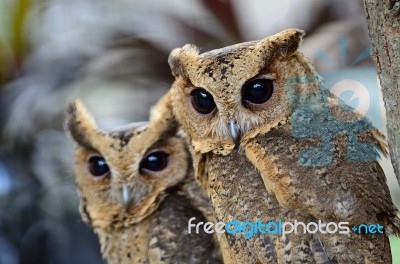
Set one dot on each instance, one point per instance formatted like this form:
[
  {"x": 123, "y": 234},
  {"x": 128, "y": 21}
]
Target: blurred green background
[{"x": 113, "y": 55}]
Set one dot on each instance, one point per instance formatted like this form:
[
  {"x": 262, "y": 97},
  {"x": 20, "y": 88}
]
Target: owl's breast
[
  {"x": 238, "y": 193},
  {"x": 237, "y": 189}
]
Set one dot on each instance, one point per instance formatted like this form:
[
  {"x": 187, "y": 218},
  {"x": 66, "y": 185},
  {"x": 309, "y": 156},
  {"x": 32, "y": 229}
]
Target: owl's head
[
  {"x": 124, "y": 174},
  {"x": 226, "y": 96}
]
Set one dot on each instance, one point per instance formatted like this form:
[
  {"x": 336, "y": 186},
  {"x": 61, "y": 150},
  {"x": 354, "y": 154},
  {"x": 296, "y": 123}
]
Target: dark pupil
[
  {"x": 202, "y": 101},
  {"x": 98, "y": 166},
  {"x": 258, "y": 91},
  {"x": 155, "y": 161}
]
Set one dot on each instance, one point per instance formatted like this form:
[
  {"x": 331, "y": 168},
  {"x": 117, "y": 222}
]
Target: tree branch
[{"x": 384, "y": 30}]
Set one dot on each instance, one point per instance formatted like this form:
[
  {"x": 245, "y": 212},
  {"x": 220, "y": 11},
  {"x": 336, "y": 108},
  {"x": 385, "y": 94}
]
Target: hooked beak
[
  {"x": 234, "y": 131},
  {"x": 126, "y": 196}
]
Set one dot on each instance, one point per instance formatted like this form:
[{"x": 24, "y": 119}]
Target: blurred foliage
[
  {"x": 113, "y": 55},
  {"x": 395, "y": 245},
  {"x": 13, "y": 41}
]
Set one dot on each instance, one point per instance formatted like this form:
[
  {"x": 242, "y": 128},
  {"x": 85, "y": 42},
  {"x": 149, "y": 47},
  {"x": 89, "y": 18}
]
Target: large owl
[
  {"x": 270, "y": 143},
  {"x": 136, "y": 187}
]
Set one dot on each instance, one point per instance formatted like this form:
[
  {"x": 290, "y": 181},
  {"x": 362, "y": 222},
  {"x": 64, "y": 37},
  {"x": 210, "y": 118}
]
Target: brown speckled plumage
[
  {"x": 261, "y": 177},
  {"x": 152, "y": 226}
]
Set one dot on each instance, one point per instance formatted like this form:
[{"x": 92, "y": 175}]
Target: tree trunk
[{"x": 384, "y": 30}]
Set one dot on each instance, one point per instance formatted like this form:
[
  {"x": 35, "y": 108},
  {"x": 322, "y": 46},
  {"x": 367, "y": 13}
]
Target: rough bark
[{"x": 383, "y": 17}]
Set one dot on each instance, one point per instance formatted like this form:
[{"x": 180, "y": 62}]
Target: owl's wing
[
  {"x": 170, "y": 241},
  {"x": 344, "y": 190}
]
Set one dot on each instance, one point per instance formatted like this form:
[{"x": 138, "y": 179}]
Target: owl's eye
[
  {"x": 155, "y": 161},
  {"x": 258, "y": 91},
  {"x": 202, "y": 101},
  {"x": 97, "y": 166}
]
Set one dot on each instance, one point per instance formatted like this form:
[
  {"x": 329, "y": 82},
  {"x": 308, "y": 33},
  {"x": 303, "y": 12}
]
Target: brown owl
[
  {"x": 270, "y": 143},
  {"x": 135, "y": 185}
]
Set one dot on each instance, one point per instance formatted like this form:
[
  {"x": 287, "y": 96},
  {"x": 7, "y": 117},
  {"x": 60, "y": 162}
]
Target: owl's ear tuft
[
  {"x": 79, "y": 124},
  {"x": 283, "y": 44},
  {"x": 162, "y": 118},
  {"x": 180, "y": 58}
]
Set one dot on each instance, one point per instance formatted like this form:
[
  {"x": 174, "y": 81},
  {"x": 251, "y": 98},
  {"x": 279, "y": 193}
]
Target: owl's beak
[
  {"x": 234, "y": 131},
  {"x": 126, "y": 196}
]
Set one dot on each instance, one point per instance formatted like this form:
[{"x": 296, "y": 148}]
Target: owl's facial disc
[{"x": 151, "y": 164}]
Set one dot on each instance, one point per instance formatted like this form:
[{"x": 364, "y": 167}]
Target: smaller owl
[{"x": 136, "y": 187}]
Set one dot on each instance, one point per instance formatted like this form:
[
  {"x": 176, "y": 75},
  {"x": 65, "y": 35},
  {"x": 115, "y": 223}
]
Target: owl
[
  {"x": 270, "y": 143},
  {"x": 136, "y": 185}
]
